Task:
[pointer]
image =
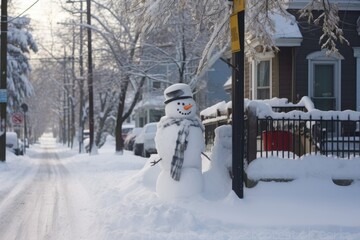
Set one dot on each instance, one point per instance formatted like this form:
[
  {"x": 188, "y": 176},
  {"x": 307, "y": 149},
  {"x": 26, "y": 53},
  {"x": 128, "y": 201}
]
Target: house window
[
  {"x": 324, "y": 80},
  {"x": 261, "y": 80}
]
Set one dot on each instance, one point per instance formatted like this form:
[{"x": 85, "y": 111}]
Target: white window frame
[
  {"x": 357, "y": 56},
  {"x": 320, "y": 57},
  {"x": 254, "y": 63}
]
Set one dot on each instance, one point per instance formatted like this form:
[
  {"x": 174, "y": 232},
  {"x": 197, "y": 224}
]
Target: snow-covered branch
[{"x": 329, "y": 19}]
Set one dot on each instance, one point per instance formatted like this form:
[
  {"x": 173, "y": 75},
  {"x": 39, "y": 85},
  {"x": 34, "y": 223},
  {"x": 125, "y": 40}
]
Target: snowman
[{"x": 179, "y": 142}]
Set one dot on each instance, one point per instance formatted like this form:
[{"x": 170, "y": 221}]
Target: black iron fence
[{"x": 294, "y": 137}]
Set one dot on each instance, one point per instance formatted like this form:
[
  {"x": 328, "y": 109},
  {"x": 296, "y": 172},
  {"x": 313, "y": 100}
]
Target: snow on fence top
[
  {"x": 212, "y": 111},
  {"x": 264, "y": 109},
  {"x": 216, "y": 113}
]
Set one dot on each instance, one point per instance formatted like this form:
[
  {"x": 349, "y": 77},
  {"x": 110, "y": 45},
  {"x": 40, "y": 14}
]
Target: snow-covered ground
[{"x": 54, "y": 193}]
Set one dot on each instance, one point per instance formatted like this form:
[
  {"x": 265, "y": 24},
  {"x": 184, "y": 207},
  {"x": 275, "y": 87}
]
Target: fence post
[{"x": 252, "y": 133}]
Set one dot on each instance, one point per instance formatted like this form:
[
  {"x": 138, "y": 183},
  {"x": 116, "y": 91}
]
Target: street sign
[
  {"x": 238, "y": 6},
  {"x": 3, "y": 95},
  {"x": 24, "y": 107},
  {"x": 17, "y": 119},
  {"x": 235, "y": 37}
]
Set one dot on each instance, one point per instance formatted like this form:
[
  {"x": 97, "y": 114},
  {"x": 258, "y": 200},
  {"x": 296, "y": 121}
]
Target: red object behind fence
[{"x": 277, "y": 140}]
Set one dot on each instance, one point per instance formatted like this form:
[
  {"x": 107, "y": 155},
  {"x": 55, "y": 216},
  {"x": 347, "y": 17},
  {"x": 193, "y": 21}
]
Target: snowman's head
[{"x": 179, "y": 101}]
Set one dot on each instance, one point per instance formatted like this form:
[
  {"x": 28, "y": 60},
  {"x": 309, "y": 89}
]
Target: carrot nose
[{"x": 187, "y": 107}]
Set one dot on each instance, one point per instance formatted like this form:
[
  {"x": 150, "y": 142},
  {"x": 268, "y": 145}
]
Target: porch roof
[
  {"x": 287, "y": 32},
  {"x": 151, "y": 102}
]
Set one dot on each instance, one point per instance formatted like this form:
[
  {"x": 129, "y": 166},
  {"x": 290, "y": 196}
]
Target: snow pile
[
  {"x": 306, "y": 167},
  {"x": 217, "y": 180}
]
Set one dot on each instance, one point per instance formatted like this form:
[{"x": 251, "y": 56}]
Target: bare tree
[
  {"x": 259, "y": 23},
  {"x": 45, "y": 107},
  {"x": 187, "y": 27},
  {"x": 120, "y": 41}
]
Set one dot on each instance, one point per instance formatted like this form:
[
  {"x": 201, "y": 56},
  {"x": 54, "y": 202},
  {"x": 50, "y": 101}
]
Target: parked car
[
  {"x": 21, "y": 147},
  {"x": 130, "y": 139},
  {"x": 12, "y": 143},
  {"x": 125, "y": 130},
  {"x": 144, "y": 143}
]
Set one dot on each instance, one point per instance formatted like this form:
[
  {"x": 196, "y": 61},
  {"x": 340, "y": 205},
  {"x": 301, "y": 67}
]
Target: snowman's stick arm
[
  {"x": 206, "y": 156},
  {"x": 153, "y": 163}
]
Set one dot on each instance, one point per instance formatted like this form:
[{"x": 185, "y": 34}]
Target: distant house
[
  {"x": 301, "y": 68},
  {"x": 213, "y": 90},
  {"x": 151, "y": 106}
]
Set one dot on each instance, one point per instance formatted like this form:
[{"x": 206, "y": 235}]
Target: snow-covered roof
[
  {"x": 156, "y": 102},
  {"x": 348, "y": 5},
  {"x": 287, "y": 32},
  {"x": 284, "y": 31},
  {"x": 227, "y": 84}
]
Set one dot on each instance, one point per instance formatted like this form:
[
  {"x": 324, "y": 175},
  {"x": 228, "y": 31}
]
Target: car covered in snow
[
  {"x": 145, "y": 142},
  {"x": 130, "y": 139},
  {"x": 12, "y": 143}
]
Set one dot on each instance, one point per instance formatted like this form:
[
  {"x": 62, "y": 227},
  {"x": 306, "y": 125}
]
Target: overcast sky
[{"x": 44, "y": 14}]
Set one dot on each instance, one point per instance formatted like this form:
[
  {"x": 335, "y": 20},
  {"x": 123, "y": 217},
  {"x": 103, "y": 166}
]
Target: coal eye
[
  {"x": 178, "y": 103},
  {"x": 183, "y": 104}
]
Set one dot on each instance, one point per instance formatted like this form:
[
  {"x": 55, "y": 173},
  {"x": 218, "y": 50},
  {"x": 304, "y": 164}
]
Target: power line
[{"x": 27, "y": 9}]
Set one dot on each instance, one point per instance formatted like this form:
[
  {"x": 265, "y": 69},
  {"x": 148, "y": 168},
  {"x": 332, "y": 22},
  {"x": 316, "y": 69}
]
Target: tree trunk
[{"x": 119, "y": 142}]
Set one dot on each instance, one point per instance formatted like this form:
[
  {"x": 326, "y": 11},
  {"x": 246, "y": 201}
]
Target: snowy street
[
  {"x": 54, "y": 193},
  {"x": 43, "y": 200}
]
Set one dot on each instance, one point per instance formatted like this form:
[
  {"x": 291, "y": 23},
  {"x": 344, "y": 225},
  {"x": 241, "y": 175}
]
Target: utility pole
[
  {"x": 73, "y": 76},
  {"x": 81, "y": 83},
  {"x": 25, "y": 108},
  {"x": 65, "y": 95},
  {"x": 81, "y": 80},
  {"x": 3, "y": 79},
  {"x": 237, "y": 26},
  {"x": 90, "y": 78}
]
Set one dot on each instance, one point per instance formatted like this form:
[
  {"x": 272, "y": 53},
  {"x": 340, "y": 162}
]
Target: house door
[
  {"x": 325, "y": 80},
  {"x": 324, "y": 95}
]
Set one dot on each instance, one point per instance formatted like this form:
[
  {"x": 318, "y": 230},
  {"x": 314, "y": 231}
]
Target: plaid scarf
[{"x": 181, "y": 141}]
